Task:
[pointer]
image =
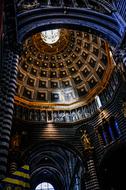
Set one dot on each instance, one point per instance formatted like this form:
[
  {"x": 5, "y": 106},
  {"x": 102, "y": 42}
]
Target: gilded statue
[{"x": 86, "y": 141}]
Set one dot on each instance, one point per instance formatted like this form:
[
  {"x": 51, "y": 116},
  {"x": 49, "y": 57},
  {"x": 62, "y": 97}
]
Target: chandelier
[{"x": 50, "y": 36}]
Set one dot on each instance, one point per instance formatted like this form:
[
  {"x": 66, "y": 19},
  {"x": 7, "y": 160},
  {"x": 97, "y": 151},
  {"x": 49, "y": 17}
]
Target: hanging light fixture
[{"x": 50, "y": 36}]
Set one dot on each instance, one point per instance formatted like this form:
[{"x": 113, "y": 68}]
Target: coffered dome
[{"x": 73, "y": 69}]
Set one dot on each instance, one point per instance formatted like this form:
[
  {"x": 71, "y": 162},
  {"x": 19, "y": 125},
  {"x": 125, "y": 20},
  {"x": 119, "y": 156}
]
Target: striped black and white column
[
  {"x": 8, "y": 88},
  {"x": 13, "y": 163},
  {"x": 92, "y": 182},
  {"x": 13, "y": 167}
]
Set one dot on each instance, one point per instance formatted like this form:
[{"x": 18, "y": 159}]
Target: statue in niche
[
  {"x": 30, "y": 115},
  {"x": 86, "y": 141},
  {"x": 61, "y": 116},
  {"x": 36, "y": 115},
  {"x": 67, "y": 117},
  {"x": 15, "y": 141},
  {"x": 74, "y": 116},
  {"x": 86, "y": 114},
  {"x": 99, "y": 136},
  {"x": 83, "y": 112},
  {"x": 55, "y": 117},
  {"x": 42, "y": 116},
  {"x": 79, "y": 113}
]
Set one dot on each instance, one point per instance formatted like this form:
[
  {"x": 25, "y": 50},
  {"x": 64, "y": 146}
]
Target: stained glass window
[{"x": 44, "y": 186}]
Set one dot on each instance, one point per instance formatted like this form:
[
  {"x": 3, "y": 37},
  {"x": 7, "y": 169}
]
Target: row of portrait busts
[{"x": 51, "y": 116}]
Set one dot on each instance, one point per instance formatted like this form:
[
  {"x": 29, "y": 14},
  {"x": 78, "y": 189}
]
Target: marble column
[
  {"x": 13, "y": 167},
  {"x": 91, "y": 181},
  {"x": 7, "y": 92}
]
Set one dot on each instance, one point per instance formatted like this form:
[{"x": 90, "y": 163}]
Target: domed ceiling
[{"x": 70, "y": 71}]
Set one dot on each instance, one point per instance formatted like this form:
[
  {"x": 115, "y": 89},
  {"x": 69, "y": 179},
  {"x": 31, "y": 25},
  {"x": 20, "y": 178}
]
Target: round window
[{"x": 44, "y": 186}]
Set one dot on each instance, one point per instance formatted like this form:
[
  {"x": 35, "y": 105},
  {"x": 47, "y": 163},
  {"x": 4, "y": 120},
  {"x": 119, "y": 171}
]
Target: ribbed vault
[{"x": 54, "y": 163}]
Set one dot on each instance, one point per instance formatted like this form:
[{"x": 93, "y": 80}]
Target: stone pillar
[
  {"x": 13, "y": 167},
  {"x": 14, "y": 158},
  {"x": 7, "y": 92},
  {"x": 99, "y": 136},
  {"x": 91, "y": 181},
  {"x": 14, "y": 153}
]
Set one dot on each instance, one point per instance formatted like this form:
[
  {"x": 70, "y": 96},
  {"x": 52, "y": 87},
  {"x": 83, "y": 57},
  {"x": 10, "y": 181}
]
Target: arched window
[{"x": 44, "y": 186}]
